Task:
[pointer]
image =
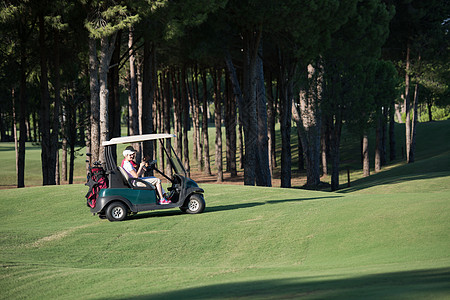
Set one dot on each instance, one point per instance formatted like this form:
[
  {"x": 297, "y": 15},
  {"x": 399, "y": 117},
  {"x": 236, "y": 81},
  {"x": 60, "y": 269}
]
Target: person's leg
[{"x": 157, "y": 183}]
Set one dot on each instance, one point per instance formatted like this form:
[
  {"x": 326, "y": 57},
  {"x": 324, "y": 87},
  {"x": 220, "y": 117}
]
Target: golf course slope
[{"x": 385, "y": 237}]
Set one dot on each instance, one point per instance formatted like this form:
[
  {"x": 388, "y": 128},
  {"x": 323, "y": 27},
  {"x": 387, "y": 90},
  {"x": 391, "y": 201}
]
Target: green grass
[
  {"x": 385, "y": 237},
  {"x": 251, "y": 243}
]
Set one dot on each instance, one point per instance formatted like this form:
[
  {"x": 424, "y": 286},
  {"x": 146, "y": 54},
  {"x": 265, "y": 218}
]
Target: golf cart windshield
[{"x": 176, "y": 163}]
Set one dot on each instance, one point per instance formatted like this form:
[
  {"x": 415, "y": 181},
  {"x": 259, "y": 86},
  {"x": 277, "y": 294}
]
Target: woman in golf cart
[{"x": 130, "y": 166}]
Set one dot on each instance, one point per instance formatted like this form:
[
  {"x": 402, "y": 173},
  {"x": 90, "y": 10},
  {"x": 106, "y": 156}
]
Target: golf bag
[{"x": 96, "y": 180}]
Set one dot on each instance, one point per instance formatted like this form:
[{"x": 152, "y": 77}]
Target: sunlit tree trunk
[
  {"x": 407, "y": 104},
  {"x": 365, "y": 155},
  {"x": 310, "y": 126},
  {"x": 133, "y": 109},
  {"x": 95, "y": 101},
  {"x": 378, "y": 143}
]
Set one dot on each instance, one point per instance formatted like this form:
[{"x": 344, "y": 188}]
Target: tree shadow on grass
[
  {"x": 301, "y": 199},
  {"x": 253, "y": 204},
  {"x": 381, "y": 179},
  {"x": 218, "y": 208},
  {"x": 434, "y": 283},
  {"x": 433, "y": 167}
]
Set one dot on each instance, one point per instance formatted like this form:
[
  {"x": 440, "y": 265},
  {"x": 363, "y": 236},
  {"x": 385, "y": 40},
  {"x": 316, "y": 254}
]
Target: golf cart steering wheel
[{"x": 151, "y": 164}]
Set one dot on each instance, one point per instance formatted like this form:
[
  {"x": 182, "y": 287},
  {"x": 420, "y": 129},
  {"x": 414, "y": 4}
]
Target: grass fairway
[
  {"x": 385, "y": 237},
  {"x": 251, "y": 243}
]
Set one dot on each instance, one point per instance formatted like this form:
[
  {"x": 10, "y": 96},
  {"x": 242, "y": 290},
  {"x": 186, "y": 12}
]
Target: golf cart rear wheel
[
  {"x": 195, "y": 204},
  {"x": 116, "y": 212}
]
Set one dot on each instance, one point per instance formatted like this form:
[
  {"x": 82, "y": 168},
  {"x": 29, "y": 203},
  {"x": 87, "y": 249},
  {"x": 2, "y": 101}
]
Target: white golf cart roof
[{"x": 137, "y": 138}]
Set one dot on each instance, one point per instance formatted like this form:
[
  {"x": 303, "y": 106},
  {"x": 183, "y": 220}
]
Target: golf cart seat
[{"x": 135, "y": 183}]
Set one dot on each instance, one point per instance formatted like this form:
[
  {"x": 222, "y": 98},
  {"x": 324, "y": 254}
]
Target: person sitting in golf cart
[{"x": 130, "y": 166}]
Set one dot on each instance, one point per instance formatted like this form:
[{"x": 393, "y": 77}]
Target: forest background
[{"x": 74, "y": 72}]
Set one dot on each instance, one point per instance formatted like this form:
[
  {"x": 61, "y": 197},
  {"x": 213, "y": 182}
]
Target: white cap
[{"x": 128, "y": 152}]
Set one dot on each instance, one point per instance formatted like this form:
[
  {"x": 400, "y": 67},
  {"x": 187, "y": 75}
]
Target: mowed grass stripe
[{"x": 250, "y": 235}]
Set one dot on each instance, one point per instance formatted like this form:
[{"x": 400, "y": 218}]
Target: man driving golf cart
[{"x": 125, "y": 194}]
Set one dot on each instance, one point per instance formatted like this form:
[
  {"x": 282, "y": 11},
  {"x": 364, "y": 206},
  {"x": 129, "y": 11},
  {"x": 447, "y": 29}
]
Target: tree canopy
[{"x": 74, "y": 72}]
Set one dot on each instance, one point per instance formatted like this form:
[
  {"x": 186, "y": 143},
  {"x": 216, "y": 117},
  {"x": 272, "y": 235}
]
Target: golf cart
[{"x": 121, "y": 195}]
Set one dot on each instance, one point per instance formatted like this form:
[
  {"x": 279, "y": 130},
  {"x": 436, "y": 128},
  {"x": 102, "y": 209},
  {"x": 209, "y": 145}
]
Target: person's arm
[
  {"x": 127, "y": 166},
  {"x": 141, "y": 169}
]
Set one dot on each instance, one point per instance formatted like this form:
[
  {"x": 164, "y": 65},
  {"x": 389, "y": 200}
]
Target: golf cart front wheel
[
  {"x": 116, "y": 212},
  {"x": 195, "y": 204}
]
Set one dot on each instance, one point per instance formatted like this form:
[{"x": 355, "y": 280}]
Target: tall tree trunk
[
  {"x": 205, "y": 126},
  {"x": 64, "y": 160},
  {"x": 378, "y": 143},
  {"x": 71, "y": 163},
  {"x": 251, "y": 40},
  {"x": 226, "y": 120},
  {"x": 193, "y": 105},
  {"x": 230, "y": 123},
  {"x": 301, "y": 161},
  {"x": 287, "y": 111},
  {"x": 185, "y": 111},
  {"x": 310, "y": 125},
  {"x": 263, "y": 174},
  {"x": 430, "y": 112},
  {"x": 237, "y": 98},
  {"x": 19, "y": 145},
  {"x": 14, "y": 132},
  {"x": 56, "y": 108},
  {"x": 114, "y": 96},
  {"x": 217, "y": 75},
  {"x": 407, "y": 104},
  {"x": 71, "y": 132},
  {"x": 177, "y": 113},
  {"x": 133, "y": 109},
  {"x": 22, "y": 129},
  {"x": 57, "y": 174},
  {"x": 48, "y": 154},
  {"x": 63, "y": 122},
  {"x": 197, "y": 150},
  {"x": 384, "y": 118},
  {"x": 335, "y": 141},
  {"x": 133, "y": 121},
  {"x": 323, "y": 145},
  {"x": 107, "y": 49},
  {"x": 148, "y": 90},
  {"x": 167, "y": 114},
  {"x": 392, "y": 153},
  {"x": 94, "y": 144},
  {"x": 241, "y": 145},
  {"x": 414, "y": 124},
  {"x": 271, "y": 123},
  {"x": 365, "y": 155}
]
